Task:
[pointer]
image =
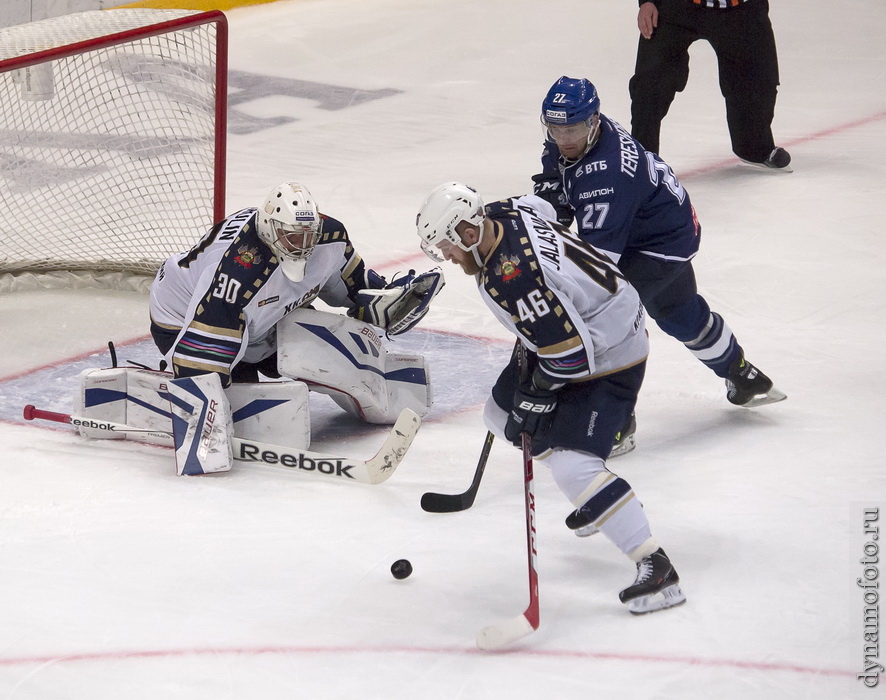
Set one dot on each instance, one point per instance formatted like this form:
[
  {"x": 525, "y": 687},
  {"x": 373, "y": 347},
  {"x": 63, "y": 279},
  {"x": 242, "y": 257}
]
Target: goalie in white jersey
[
  {"x": 214, "y": 308},
  {"x": 583, "y": 326}
]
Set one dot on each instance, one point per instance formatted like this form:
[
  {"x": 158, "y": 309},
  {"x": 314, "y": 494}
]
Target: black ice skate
[
  {"x": 779, "y": 160},
  {"x": 579, "y": 523},
  {"x": 656, "y": 587},
  {"x": 747, "y": 386},
  {"x": 624, "y": 439}
]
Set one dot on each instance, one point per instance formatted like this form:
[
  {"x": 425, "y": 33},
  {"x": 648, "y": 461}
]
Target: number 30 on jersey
[{"x": 227, "y": 288}]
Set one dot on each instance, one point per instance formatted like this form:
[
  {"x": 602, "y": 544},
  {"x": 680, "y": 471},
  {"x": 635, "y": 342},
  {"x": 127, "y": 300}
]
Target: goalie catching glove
[{"x": 400, "y": 305}]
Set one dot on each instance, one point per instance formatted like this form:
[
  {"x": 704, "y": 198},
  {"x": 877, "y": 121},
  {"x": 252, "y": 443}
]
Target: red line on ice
[
  {"x": 762, "y": 666},
  {"x": 823, "y": 133}
]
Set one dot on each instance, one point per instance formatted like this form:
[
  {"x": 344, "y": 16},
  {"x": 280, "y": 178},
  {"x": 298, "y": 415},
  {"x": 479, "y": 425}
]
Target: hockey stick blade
[
  {"x": 505, "y": 632},
  {"x": 455, "y": 502},
  {"x": 372, "y": 471}
]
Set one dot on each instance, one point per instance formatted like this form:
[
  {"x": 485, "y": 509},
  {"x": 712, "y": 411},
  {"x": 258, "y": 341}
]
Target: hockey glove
[
  {"x": 532, "y": 414},
  {"x": 400, "y": 305}
]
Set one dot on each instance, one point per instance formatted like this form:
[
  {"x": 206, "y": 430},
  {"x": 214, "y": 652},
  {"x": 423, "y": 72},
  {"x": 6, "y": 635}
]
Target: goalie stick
[
  {"x": 507, "y": 631},
  {"x": 374, "y": 470},
  {"x": 455, "y": 502}
]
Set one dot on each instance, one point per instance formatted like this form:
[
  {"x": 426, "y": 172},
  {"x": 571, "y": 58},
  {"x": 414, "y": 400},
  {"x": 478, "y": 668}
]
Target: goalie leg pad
[
  {"x": 128, "y": 395},
  {"x": 347, "y": 360},
  {"x": 202, "y": 426},
  {"x": 274, "y": 412}
]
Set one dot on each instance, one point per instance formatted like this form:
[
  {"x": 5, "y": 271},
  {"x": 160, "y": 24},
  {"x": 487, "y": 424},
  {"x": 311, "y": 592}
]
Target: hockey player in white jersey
[
  {"x": 215, "y": 308},
  {"x": 583, "y": 326}
]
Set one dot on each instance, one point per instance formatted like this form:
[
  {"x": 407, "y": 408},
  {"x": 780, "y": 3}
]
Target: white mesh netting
[{"x": 107, "y": 157}]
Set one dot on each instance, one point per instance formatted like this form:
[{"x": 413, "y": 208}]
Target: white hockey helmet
[
  {"x": 444, "y": 208},
  {"x": 290, "y": 225}
]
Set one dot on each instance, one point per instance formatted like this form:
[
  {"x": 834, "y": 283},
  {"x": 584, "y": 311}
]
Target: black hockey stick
[{"x": 454, "y": 502}]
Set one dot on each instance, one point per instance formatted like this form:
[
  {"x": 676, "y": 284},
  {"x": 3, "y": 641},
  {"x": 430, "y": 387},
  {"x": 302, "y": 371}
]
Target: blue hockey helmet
[
  {"x": 570, "y": 116},
  {"x": 570, "y": 101}
]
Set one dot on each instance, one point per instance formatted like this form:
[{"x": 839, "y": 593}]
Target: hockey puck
[{"x": 401, "y": 569}]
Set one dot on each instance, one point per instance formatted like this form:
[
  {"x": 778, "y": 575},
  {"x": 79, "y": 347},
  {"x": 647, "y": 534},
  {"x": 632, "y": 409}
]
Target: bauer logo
[{"x": 206, "y": 439}]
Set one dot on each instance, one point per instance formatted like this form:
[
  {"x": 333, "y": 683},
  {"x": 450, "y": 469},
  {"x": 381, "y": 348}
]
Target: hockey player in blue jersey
[
  {"x": 627, "y": 202},
  {"x": 583, "y": 327}
]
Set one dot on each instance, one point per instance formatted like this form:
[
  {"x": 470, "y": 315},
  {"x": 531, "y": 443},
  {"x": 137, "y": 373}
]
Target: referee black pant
[{"x": 744, "y": 43}]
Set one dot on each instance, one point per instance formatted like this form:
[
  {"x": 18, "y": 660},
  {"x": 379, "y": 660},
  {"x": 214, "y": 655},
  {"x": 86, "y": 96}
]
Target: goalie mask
[
  {"x": 445, "y": 207},
  {"x": 290, "y": 225},
  {"x": 570, "y": 115}
]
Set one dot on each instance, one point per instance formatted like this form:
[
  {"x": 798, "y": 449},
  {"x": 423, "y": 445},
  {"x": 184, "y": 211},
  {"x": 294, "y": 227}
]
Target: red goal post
[{"x": 112, "y": 139}]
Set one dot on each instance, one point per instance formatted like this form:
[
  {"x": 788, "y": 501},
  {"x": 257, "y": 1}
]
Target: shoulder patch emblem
[
  {"x": 247, "y": 257},
  {"x": 507, "y": 268}
]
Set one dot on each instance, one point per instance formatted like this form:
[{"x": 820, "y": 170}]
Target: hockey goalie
[{"x": 237, "y": 306}]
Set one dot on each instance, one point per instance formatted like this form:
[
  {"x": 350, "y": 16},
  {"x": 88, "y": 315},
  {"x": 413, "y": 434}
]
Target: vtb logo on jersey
[
  {"x": 507, "y": 268},
  {"x": 247, "y": 257}
]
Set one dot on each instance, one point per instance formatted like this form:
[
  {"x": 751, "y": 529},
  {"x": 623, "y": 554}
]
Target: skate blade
[
  {"x": 669, "y": 597},
  {"x": 625, "y": 446},
  {"x": 772, "y": 396},
  {"x": 586, "y": 531},
  {"x": 766, "y": 168}
]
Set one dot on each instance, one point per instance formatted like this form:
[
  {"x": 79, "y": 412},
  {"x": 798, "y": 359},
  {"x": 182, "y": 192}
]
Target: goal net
[{"x": 112, "y": 139}]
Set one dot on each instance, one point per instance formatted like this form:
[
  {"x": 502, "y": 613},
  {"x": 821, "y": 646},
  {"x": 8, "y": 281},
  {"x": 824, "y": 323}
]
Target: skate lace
[{"x": 644, "y": 570}]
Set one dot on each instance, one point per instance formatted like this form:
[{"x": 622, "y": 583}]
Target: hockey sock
[{"x": 715, "y": 346}]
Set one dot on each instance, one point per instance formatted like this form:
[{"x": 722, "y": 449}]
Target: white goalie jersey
[{"x": 220, "y": 301}]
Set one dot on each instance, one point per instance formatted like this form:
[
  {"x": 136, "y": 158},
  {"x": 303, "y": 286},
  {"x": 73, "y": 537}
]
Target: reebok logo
[
  {"x": 592, "y": 423},
  {"x": 95, "y": 425},
  {"x": 332, "y": 467}
]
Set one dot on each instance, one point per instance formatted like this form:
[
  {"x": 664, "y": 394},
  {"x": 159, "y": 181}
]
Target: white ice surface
[{"x": 120, "y": 580}]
